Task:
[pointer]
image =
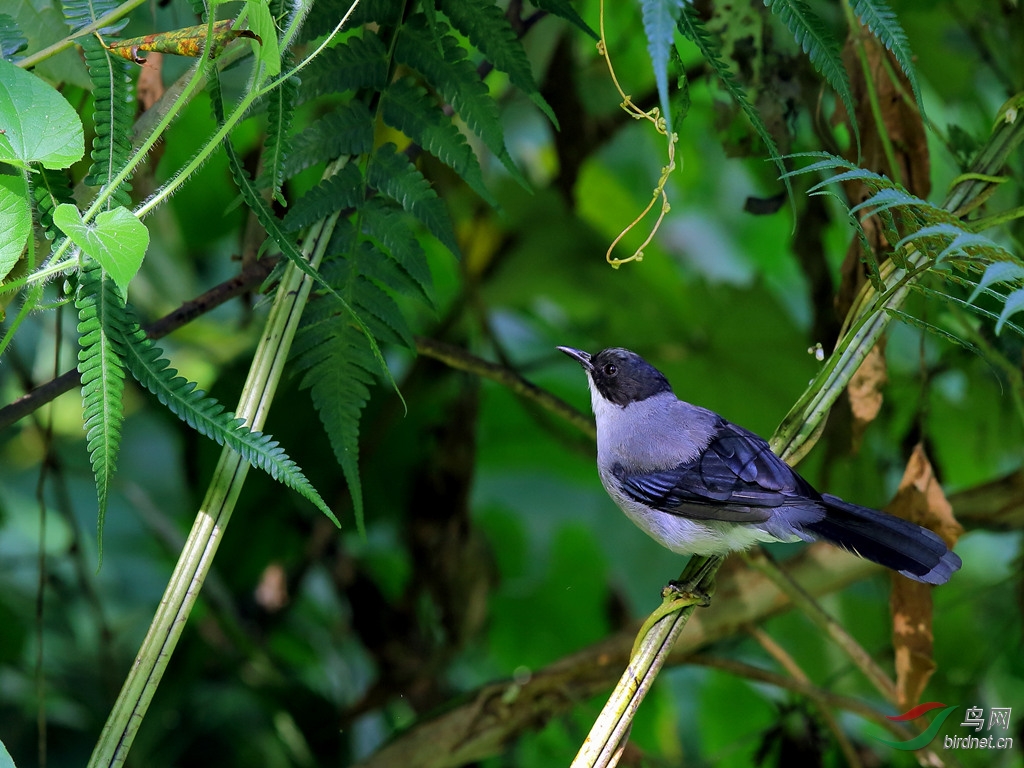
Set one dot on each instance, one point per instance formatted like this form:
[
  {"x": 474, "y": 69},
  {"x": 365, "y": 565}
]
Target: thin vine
[{"x": 655, "y": 117}]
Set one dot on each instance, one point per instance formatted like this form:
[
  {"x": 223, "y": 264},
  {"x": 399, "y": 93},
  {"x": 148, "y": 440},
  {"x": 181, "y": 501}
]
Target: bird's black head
[{"x": 620, "y": 376}]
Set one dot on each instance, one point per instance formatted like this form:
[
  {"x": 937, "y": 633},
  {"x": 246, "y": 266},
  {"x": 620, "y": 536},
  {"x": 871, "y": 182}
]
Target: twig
[{"x": 250, "y": 277}]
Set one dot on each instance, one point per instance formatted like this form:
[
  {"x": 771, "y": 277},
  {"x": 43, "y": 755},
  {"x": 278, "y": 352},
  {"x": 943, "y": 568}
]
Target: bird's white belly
[{"x": 687, "y": 536}]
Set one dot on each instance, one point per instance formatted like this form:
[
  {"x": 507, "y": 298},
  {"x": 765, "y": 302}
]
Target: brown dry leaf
[
  {"x": 151, "y": 84},
  {"x": 921, "y": 500},
  {"x": 865, "y": 391}
]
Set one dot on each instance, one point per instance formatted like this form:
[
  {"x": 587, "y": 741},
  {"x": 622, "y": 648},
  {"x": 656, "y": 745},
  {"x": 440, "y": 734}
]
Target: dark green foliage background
[{"x": 490, "y": 548}]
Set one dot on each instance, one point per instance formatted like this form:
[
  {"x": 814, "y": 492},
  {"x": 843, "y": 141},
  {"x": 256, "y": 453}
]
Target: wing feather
[{"x": 736, "y": 478}]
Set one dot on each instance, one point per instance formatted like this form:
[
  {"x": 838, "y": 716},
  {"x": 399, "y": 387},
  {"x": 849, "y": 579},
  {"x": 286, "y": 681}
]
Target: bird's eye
[{"x": 610, "y": 369}]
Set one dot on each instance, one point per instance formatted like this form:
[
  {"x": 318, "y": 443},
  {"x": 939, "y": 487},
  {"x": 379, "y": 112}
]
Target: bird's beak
[{"x": 581, "y": 357}]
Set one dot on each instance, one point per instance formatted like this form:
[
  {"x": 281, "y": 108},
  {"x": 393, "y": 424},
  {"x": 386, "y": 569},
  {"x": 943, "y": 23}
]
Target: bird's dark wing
[{"x": 736, "y": 478}]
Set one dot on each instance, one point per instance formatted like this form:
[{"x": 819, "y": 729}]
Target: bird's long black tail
[{"x": 914, "y": 551}]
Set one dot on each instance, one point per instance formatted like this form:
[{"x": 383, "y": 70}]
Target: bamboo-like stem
[
  {"x": 214, "y": 513},
  {"x": 601, "y": 748}
]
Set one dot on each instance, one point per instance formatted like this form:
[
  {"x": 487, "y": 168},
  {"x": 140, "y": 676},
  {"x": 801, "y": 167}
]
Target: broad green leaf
[
  {"x": 660, "y": 17},
  {"x": 117, "y": 240},
  {"x": 39, "y": 125},
  {"x": 15, "y": 222},
  {"x": 262, "y": 23}
]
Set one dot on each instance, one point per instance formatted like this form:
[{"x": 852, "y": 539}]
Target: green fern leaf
[
  {"x": 339, "y": 370},
  {"x": 348, "y": 130},
  {"x": 281, "y": 108},
  {"x": 344, "y": 190},
  {"x": 694, "y": 30},
  {"x": 436, "y": 55},
  {"x": 359, "y": 62},
  {"x": 113, "y": 114},
  {"x": 815, "y": 40},
  {"x": 393, "y": 174},
  {"x": 879, "y": 18},
  {"x": 564, "y": 9},
  {"x": 660, "y": 19},
  {"x": 101, "y": 317},
  {"x": 407, "y": 107},
  {"x": 208, "y": 417},
  {"x": 392, "y": 229},
  {"x": 486, "y": 27}
]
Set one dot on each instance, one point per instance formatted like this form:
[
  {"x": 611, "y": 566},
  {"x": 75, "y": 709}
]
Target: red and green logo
[{"x": 925, "y": 737}]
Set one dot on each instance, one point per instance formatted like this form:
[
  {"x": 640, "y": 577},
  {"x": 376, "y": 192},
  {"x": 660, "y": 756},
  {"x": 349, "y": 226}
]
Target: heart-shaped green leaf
[{"x": 116, "y": 239}]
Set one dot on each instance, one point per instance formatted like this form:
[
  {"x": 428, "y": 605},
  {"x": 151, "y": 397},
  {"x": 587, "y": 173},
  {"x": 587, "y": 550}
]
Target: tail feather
[{"x": 915, "y": 552}]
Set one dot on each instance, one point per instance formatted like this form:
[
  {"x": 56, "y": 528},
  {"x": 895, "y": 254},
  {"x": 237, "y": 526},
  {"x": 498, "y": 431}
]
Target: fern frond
[
  {"x": 208, "y": 417},
  {"x": 883, "y": 24},
  {"x": 815, "y": 40},
  {"x": 280, "y": 110},
  {"x": 113, "y": 115},
  {"x": 486, "y": 27},
  {"x": 348, "y": 130},
  {"x": 437, "y": 55},
  {"x": 392, "y": 173},
  {"x": 101, "y": 320},
  {"x": 359, "y": 62},
  {"x": 339, "y": 370},
  {"x": 342, "y": 190},
  {"x": 273, "y": 228},
  {"x": 694, "y": 30},
  {"x": 406, "y": 107}
]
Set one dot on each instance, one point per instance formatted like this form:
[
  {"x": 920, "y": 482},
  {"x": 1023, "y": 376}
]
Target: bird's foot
[
  {"x": 677, "y": 592},
  {"x": 674, "y": 599}
]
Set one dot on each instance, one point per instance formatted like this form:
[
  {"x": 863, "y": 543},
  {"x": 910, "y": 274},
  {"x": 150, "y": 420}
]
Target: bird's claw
[{"x": 678, "y": 593}]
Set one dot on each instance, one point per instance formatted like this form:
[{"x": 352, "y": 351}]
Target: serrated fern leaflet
[
  {"x": 101, "y": 316},
  {"x": 209, "y": 417}
]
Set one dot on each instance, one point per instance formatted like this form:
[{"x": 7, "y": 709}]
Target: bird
[{"x": 700, "y": 485}]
